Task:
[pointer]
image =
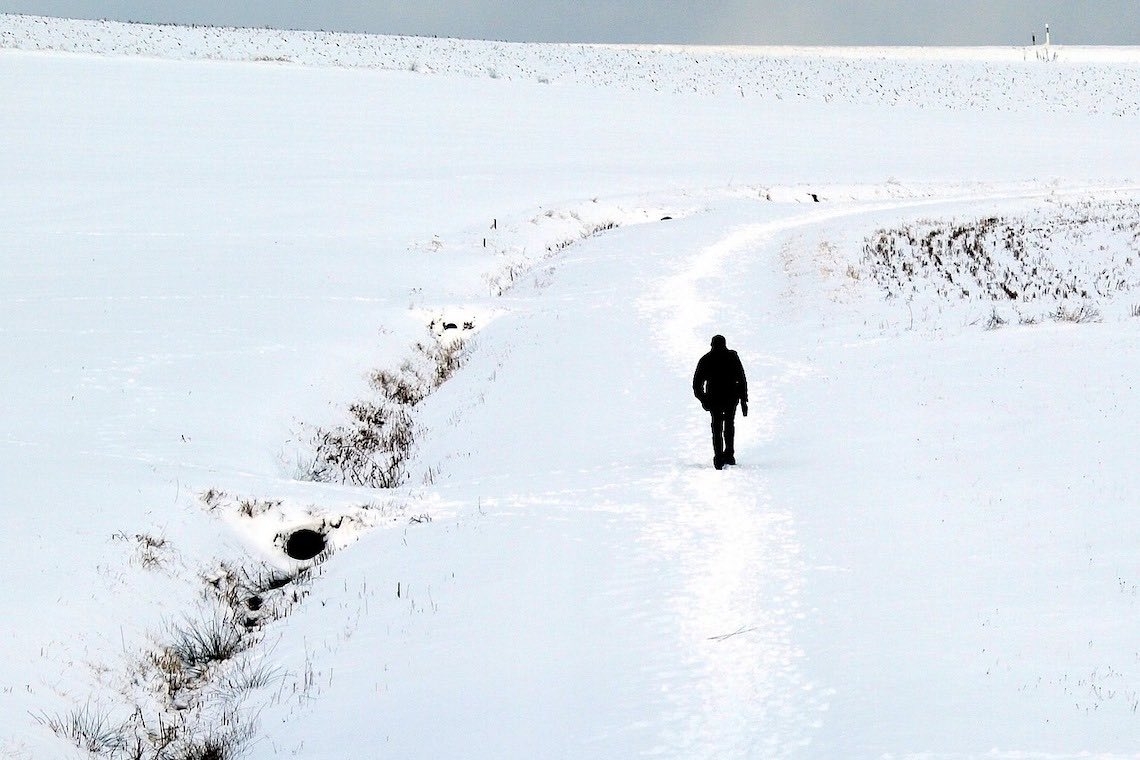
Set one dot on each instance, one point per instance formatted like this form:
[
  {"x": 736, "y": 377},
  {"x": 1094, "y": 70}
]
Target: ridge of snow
[{"x": 1074, "y": 79}]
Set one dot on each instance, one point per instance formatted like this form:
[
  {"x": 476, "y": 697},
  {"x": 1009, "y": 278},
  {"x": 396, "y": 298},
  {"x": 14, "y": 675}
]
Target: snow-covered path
[
  {"x": 647, "y": 600},
  {"x": 609, "y": 594}
]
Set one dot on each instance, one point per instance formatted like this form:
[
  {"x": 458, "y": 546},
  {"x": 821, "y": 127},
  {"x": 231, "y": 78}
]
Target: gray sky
[{"x": 773, "y": 22}]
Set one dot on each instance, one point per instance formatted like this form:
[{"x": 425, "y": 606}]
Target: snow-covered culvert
[{"x": 304, "y": 544}]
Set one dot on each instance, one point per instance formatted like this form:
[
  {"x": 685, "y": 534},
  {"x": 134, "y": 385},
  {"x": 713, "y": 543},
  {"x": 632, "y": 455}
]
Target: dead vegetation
[
  {"x": 185, "y": 695},
  {"x": 373, "y": 447},
  {"x": 1061, "y": 263}
]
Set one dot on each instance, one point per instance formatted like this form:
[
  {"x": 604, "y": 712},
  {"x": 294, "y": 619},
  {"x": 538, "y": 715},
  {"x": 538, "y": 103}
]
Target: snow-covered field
[{"x": 928, "y": 260}]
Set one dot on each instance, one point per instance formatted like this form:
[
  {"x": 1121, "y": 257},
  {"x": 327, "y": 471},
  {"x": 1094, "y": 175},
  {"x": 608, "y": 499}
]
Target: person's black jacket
[{"x": 719, "y": 381}]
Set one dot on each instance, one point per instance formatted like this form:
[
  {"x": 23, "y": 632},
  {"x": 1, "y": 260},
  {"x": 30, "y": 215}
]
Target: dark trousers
[{"x": 724, "y": 432}]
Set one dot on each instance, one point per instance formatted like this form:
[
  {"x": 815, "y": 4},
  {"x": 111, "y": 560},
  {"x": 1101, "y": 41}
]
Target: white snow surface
[{"x": 928, "y": 548}]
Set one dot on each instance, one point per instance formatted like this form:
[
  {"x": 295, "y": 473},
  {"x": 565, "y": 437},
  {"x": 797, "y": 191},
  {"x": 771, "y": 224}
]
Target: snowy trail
[
  {"x": 677, "y": 584},
  {"x": 616, "y": 548},
  {"x": 725, "y": 569},
  {"x": 712, "y": 568},
  {"x": 739, "y": 563},
  {"x": 733, "y": 551},
  {"x": 703, "y": 568},
  {"x": 901, "y": 650}
]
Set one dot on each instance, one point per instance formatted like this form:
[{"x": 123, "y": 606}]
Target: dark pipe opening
[{"x": 304, "y": 544}]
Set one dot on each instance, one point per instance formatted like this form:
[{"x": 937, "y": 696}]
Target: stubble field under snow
[{"x": 213, "y": 240}]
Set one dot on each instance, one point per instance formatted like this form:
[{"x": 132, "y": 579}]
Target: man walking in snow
[{"x": 719, "y": 384}]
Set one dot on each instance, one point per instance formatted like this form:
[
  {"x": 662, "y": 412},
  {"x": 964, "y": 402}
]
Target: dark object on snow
[
  {"x": 279, "y": 580},
  {"x": 815, "y": 197},
  {"x": 719, "y": 384},
  {"x": 666, "y": 218},
  {"x": 304, "y": 544}
]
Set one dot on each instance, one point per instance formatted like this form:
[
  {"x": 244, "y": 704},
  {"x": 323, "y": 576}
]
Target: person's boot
[
  {"x": 730, "y": 459},
  {"x": 718, "y": 462}
]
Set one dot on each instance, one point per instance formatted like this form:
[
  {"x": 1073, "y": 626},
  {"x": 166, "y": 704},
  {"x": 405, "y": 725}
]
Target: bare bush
[
  {"x": 372, "y": 449},
  {"x": 187, "y": 700},
  {"x": 172, "y": 736},
  {"x": 398, "y": 387},
  {"x": 151, "y": 552},
  {"x": 183, "y": 696},
  {"x": 90, "y": 729},
  {"x": 443, "y": 358},
  {"x": 1079, "y": 314},
  {"x": 196, "y": 644},
  {"x": 995, "y": 321}
]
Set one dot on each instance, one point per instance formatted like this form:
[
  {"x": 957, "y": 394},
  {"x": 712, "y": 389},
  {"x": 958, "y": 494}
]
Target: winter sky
[{"x": 777, "y": 22}]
